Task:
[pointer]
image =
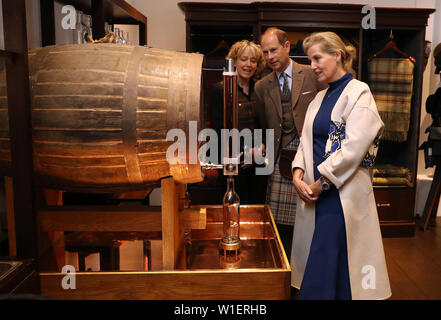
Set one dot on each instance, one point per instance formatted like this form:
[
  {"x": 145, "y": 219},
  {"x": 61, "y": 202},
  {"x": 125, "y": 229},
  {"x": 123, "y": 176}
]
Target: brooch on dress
[
  {"x": 337, "y": 133},
  {"x": 371, "y": 155}
]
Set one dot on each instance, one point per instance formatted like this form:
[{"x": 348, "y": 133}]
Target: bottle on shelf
[
  {"x": 107, "y": 28},
  {"x": 118, "y": 39},
  {"x": 128, "y": 39},
  {"x": 123, "y": 36},
  {"x": 79, "y": 30},
  {"x": 87, "y": 22}
]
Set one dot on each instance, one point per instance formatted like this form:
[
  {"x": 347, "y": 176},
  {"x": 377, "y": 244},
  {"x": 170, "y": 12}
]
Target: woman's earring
[{"x": 338, "y": 62}]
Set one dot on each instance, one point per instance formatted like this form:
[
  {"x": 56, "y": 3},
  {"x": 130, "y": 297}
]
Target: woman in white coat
[{"x": 337, "y": 247}]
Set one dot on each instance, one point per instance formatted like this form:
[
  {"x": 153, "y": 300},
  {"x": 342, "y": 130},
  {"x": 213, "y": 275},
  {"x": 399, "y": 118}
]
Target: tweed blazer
[
  {"x": 269, "y": 106},
  {"x": 347, "y": 167}
]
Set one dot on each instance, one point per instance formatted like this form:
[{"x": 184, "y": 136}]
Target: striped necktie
[{"x": 286, "y": 92}]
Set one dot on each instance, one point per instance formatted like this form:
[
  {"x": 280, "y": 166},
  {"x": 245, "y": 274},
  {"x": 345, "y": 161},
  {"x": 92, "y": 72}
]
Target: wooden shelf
[
  {"x": 112, "y": 11},
  {"x": 115, "y": 11}
]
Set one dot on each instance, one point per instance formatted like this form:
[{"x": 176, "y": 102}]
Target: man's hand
[{"x": 252, "y": 153}]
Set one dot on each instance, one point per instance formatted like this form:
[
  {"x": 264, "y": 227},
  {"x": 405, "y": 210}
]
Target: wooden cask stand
[
  {"x": 54, "y": 219},
  {"x": 174, "y": 280}
]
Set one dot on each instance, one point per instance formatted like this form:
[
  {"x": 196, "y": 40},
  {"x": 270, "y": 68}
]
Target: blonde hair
[
  {"x": 239, "y": 48},
  {"x": 331, "y": 43}
]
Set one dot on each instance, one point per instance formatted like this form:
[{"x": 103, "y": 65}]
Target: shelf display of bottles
[
  {"x": 83, "y": 32},
  {"x": 122, "y": 37},
  {"x": 83, "y": 28}
]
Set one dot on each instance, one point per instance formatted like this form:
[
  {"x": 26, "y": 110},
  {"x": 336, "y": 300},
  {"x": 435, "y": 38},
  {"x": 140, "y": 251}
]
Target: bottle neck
[{"x": 230, "y": 183}]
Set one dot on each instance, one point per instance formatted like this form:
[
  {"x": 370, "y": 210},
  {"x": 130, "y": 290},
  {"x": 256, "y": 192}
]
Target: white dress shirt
[{"x": 288, "y": 72}]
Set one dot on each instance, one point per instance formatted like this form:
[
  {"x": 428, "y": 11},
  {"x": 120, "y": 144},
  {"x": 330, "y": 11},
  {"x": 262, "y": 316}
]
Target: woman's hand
[
  {"x": 303, "y": 189},
  {"x": 316, "y": 188}
]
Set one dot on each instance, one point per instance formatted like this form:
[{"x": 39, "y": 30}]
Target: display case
[{"x": 259, "y": 271}]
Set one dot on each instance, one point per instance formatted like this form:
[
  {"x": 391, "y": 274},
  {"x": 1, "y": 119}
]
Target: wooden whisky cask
[{"x": 101, "y": 112}]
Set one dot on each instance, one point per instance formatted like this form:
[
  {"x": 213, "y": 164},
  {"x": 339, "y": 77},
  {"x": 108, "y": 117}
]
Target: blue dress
[{"x": 326, "y": 274}]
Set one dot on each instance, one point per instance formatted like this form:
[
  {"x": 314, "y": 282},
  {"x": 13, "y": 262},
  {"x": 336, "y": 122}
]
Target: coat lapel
[
  {"x": 297, "y": 82},
  {"x": 308, "y": 132},
  {"x": 274, "y": 92}
]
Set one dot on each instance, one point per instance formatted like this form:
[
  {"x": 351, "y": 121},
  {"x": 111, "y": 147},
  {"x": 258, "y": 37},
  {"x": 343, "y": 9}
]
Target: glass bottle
[
  {"x": 123, "y": 36},
  {"x": 78, "y": 33},
  {"x": 231, "y": 215},
  {"x": 88, "y": 28},
  {"x": 128, "y": 39},
  {"x": 118, "y": 39}
]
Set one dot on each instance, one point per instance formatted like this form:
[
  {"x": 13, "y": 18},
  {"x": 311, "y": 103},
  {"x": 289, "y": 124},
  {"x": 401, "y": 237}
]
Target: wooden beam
[
  {"x": 9, "y": 194},
  {"x": 47, "y": 13},
  {"x": 114, "y": 219},
  {"x": 98, "y": 19},
  {"x": 143, "y": 40},
  {"x": 131, "y": 11},
  {"x": 177, "y": 285},
  {"x": 51, "y": 243},
  {"x": 172, "y": 233},
  {"x": 91, "y": 218},
  {"x": 20, "y": 128}
]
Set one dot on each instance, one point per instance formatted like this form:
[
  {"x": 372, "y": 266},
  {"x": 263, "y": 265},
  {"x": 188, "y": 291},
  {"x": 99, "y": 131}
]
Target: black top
[
  {"x": 247, "y": 108},
  {"x": 247, "y": 114},
  {"x": 250, "y": 187}
]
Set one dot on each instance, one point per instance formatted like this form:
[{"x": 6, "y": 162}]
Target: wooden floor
[{"x": 414, "y": 265}]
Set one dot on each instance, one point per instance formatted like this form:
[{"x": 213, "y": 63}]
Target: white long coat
[{"x": 357, "y": 112}]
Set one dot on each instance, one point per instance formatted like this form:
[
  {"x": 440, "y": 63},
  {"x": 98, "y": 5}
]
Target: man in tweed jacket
[{"x": 284, "y": 111}]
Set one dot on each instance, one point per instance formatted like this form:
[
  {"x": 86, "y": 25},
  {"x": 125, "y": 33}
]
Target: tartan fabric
[
  {"x": 391, "y": 83},
  {"x": 389, "y": 174},
  {"x": 396, "y": 181},
  {"x": 281, "y": 195},
  {"x": 387, "y": 170}
]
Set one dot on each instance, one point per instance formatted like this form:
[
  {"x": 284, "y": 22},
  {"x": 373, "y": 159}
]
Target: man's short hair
[{"x": 281, "y": 35}]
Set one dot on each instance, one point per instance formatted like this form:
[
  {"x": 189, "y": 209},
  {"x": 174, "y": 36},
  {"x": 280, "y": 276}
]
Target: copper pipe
[{"x": 231, "y": 120}]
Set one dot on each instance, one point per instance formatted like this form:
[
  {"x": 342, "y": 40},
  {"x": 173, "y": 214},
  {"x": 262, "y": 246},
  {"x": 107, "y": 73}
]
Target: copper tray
[{"x": 260, "y": 271}]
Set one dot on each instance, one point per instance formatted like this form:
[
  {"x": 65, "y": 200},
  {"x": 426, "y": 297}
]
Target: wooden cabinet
[
  {"x": 395, "y": 210},
  {"x": 299, "y": 20}
]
